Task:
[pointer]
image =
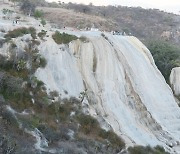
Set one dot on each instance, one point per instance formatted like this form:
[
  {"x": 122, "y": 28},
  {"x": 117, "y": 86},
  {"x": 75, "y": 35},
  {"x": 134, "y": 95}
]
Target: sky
[{"x": 166, "y": 5}]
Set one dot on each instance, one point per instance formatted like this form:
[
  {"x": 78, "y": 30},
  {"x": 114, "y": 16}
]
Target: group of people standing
[{"x": 15, "y": 22}]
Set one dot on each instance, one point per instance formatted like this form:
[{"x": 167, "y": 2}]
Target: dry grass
[{"x": 69, "y": 18}]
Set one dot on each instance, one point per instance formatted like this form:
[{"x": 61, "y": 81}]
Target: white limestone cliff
[
  {"x": 175, "y": 80},
  {"x": 124, "y": 87}
]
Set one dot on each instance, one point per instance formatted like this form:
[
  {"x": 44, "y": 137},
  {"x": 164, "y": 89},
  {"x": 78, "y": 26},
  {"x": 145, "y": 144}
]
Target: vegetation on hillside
[
  {"x": 166, "y": 56},
  {"x": 43, "y": 22},
  {"x": 20, "y": 32},
  {"x": 146, "y": 150},
  {"x": 38, "y": 14},
  {"x": 42, "y": 34}
]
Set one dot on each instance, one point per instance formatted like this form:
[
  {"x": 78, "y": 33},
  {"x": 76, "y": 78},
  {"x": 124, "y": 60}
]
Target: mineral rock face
[
  {"x": 175, "y": 80},
  {"x": 123, "y": 86}
]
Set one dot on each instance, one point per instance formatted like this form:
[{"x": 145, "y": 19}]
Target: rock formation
[{"x": 175, "y": 80}]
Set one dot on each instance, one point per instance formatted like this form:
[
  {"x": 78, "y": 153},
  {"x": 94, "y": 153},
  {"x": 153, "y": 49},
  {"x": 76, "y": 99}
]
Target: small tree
[
  {"x": 43, "y": 22},
  {"x": 166, "y": 56},
  {"x": 38, "y": 14},
  {"x": 28, "y": 7}
]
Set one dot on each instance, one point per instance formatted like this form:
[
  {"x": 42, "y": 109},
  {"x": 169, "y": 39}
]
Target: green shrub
[
  {"x": 6, "y": 11},
  {"x": 166, "y": 56},
  {"x": 21, "y": 64},
  {"x": 63, "y": 38},
  {"x": 160, "y": 149},
  {"x": 11, "y": 87},
  {"x": 16, "y": 33},
  {"x": 36, "y": 59},
  {"x": 20, "y": 32},
  {"x": 34, "y": 81},
  {"x": 54, "y": 94},
  {"x": 115, "y": 141},
  {"x": 90, "y": 126},
  {"x": 42, "y": 34},
  {"x": 146, "y": 150},
  {"x": 88, "y": 123},
  {"x": 35, "y": 42},
  {"x": 60, "y": 111},
  {"x": 64, "y": 111},
  {"x": 38, "y": 14},
  {"x": 11, "y": 66},
  {"x": 40, "y": 83},
  {"x": 103, "y": 35},
  {"x": 32, "y": 31},
  {"x": 35, "y": 121},
  {"x": 5, "y": 64},
  {"x": 83, "y": 39},
  {"x": 43, "y": 62},
  {"x": 43, "y": 22},
  {"x": 30, "y": 122}
]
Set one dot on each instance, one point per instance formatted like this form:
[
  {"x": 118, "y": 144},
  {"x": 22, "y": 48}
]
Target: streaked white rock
[
  {"x": 175, "y": 80},
  {"x": 123, "y": 86}
]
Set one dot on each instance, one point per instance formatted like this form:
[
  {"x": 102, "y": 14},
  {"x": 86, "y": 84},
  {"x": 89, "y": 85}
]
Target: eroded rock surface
[
  {"x": 175, "y": 80},
  {"x": 122, "y": 83}
]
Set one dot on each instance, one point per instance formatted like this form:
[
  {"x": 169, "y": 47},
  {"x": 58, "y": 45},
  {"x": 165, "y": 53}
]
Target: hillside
[
  {"x": 144, "y": 24},
  {"x": 68, "y": 18}
]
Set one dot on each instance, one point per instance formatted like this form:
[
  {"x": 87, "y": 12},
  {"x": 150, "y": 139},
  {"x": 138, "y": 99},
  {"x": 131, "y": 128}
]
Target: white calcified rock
[
  {"x": 175, "y": 80},
  {"x": 123, "y": 86}
]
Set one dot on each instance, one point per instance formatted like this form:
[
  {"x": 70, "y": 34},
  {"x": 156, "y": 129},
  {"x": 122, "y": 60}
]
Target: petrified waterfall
[{"x": 124, "y": 89}]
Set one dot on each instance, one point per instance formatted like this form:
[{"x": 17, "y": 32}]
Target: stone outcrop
[{"x": 175, "y": 80}]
